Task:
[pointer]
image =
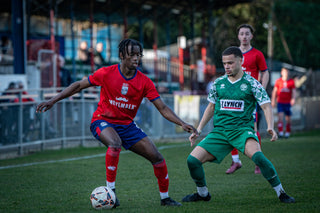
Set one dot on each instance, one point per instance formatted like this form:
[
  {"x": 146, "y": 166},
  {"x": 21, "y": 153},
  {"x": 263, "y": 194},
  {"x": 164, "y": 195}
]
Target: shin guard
[
  {"x": 161, "y": 173},
  {"x": 196, "y": 171},
  {"x": 267, "y": 169}
]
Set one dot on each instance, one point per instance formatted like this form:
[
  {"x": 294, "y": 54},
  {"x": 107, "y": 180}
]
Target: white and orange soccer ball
[{"x": 102, "y": 197}]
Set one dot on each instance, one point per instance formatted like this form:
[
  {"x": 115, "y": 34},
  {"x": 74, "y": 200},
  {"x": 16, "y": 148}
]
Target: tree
[{"x": 299, "y": 23}]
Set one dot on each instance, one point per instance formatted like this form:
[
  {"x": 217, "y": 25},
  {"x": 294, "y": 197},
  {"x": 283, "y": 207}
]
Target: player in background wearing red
[
  {"x": 284, "y": 93},
  {"x": 123, "y": 88},
  {"x": 255, "y": 65}
]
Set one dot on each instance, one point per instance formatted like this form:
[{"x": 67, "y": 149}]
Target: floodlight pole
[
  {"x": 19, "y": 36},
  {"x": 91, "y": 36},
  {"x": 155, "y": 47},
  {"x": 181, "y": 45},
  {"x": 73, "y": 46},
  {"x": 270, "y": 36}
]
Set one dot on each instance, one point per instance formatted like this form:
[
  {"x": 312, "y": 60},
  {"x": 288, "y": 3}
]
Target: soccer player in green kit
[{"x": 232, "y": 100}]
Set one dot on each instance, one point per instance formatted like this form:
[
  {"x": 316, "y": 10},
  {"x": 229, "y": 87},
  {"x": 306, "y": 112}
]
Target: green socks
[
  {"x": 267, "y": 169},
  {"x": 196, "y": 171}
]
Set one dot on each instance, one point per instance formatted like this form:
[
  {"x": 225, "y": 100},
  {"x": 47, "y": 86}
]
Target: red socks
[
  {"x": 112, "y": 159},
  {"x": 288, "y": 128},
  {"x": 160, "y": 169},
  {"x": 280, "y": 126},
  {"x": 161, "y": 172},
  {"x": 234, "y": 151}
]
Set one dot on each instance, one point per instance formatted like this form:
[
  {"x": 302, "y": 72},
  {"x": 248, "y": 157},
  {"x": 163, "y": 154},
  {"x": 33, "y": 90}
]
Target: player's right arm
[
  {"x": 268, "y": 113},
  {"x": 67, "y": 92},
  {"x": 208, "y": 114}
]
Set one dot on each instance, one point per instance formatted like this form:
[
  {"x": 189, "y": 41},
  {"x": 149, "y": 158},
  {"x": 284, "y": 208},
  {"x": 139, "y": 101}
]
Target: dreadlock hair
[
  {"x": 246, "y": 26},
  {"x": 233, "y": 50},
  {"x": 124, "y": 44}
]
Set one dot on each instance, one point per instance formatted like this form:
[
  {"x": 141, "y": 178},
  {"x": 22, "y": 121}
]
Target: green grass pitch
[{"x": 65, "y": 186}]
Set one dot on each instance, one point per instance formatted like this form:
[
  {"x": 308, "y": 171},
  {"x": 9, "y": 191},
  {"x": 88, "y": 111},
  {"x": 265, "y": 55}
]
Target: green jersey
[{"x": 236, "y": 101}]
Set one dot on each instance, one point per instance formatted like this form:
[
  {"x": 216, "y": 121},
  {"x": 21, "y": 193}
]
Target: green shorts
[{"x": 220, "y": 142}]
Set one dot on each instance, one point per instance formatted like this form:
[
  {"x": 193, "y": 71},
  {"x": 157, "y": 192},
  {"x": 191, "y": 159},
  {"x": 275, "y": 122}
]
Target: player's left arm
[
  {"x": 268, "y": 113},
  {"x": 167, "y": 113},
  {"x": 265, "y": 76}
]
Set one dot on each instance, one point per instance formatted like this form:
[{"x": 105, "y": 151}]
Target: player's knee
[
  {"x": 193, "y": 162},
  {"x": 155, "y": 157},
  {"x": 114, "y": 144}
]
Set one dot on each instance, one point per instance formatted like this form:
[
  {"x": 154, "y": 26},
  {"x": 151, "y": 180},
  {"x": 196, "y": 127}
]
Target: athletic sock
[
  {"x": 164, "y": 195},
  {"x": 111, "y": 185},
  {"x": 161, "y": 173},
  {"x": 196, "y": 171},
  {"x": 288, "y": 129},
  {"x": 280, "y": 127},
  {"x": 235, "y": 158},
  {"x": 279, "y": 189},
  {"x": 234, "y": 152},
  {"x": 112, "y": 160},
  {"x": 203, "y": 191},
  {"x": 267, "y": 169}
]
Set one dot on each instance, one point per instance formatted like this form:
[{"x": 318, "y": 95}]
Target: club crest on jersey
[
  {"x": 124, "y": 89},
  {"x": 232, "y": 105},
  {"x": 243, "y": 87}
]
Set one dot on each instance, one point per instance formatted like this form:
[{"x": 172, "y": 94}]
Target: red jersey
[
  {"x": 120, "y": 97},
  {"x": 284, "y": 90},
  {"x": 253, "y": 62}
]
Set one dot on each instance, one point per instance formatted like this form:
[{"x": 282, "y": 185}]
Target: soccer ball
[{"x": 102, "y": 197}]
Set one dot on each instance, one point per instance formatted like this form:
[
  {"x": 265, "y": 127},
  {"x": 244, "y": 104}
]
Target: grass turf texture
[{"x": 66, "y": 186}]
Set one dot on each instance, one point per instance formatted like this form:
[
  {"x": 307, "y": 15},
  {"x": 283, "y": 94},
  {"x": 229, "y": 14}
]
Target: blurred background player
[
  {"x": 123, "y": 88},
  {"x": 98, "y": 57},
  {"x": 84, "y": 53},
  {"x": 255, "y": 65},
  {"x": 284, "y": 93},
  {"x": 64, "y": 73}
]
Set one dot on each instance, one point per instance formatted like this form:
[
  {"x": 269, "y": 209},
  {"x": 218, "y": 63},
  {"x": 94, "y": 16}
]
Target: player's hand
[
  {"x": 44, "y": 106},
  {"x": 273, "y": 134},
  {"x": 189, "y": 128},
  {"x": 273, "y": 104},
  {"x": 193, "y": 137}
]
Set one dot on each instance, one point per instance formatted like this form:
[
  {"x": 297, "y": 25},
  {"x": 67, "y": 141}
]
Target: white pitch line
[{"x": 78, "y": 158}]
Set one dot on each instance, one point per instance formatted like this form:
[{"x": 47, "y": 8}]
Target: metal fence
[{"x": 68, "y": 122}]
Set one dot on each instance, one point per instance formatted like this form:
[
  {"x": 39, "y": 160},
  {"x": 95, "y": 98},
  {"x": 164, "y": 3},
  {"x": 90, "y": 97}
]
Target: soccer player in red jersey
[
  {"x": 284, "y": 93},
  {"x": 123, "y": 88},
  {"x": 255, "y": 65}
]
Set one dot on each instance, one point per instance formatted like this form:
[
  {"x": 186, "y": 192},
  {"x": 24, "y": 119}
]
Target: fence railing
[{"x": 68, "y": 122}]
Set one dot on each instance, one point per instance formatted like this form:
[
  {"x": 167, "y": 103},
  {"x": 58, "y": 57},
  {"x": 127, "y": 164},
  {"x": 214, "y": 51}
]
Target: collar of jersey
[
  {"x": 248, "y": 50},
  {"x": 236, "y": 80},
  {"x": 125, "y": 76}
]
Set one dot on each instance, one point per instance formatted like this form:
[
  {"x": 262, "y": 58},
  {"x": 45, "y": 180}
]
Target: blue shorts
[
  {"x": 129, "y": 134},
  {"x": 286, "y": 108}
]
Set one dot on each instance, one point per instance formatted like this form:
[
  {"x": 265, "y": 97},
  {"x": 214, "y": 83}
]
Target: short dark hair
[
  {"x": 233, "y": 50},
  {"x": 124, "y": 44},
  {"x": 245, "y": 26}
]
